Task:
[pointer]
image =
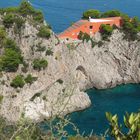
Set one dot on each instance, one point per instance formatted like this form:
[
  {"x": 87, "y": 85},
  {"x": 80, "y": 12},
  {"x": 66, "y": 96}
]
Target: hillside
[{"x": 41, "y": 76}]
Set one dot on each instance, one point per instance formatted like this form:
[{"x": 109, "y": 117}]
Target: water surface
[
  {"x": 125, "y": 98},
  {"x": 61, "y": 13}
]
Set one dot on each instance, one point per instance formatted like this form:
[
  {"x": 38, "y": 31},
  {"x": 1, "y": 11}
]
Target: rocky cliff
[{"x": 72, "y": 68}]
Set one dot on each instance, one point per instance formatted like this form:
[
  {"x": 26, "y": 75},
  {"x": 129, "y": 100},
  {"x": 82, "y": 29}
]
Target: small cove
[{"x": 118, "y": 100}]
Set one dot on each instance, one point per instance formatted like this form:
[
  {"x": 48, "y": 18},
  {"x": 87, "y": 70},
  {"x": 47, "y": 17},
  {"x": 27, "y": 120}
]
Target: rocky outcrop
[{"x": 72, "y": 69}]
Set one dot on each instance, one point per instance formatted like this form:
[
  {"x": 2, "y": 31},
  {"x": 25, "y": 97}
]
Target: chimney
[{"x": 89, "y": 19}]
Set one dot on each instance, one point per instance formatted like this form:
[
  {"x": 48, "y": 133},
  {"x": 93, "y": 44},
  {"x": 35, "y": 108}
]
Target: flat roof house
[{"x": 90, "y": 27}]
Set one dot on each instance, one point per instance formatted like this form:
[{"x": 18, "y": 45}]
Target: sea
[
  {"x": 61, "y": 13},
  {"x": 125, "y": 98}
]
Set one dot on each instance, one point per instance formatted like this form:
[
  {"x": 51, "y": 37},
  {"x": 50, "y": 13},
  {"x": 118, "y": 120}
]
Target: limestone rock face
[{"x": 59, "y": 88}]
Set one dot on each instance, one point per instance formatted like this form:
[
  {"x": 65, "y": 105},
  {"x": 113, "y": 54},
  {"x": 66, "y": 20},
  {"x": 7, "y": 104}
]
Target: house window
[
  {"x": 90, "y": 27},
  {"x": 108, "y": 24}
]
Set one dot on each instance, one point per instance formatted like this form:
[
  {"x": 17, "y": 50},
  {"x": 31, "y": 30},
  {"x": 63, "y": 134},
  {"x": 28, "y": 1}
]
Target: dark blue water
[
  {"x": 61, "y": 13},
  {"x": 125, "y": 98}
]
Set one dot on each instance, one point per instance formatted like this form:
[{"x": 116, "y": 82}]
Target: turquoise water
[
  {"x": 117, "y": 101},
  {"x": 61, "y": 13}
]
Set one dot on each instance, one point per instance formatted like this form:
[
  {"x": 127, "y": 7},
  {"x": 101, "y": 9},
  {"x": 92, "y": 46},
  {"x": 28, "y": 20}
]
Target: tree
[
  {"x": 26, "y": 8},
  {"x": 131, "y": 27},
  {"x": 136, "y": 23},
  {"x": 106, "y": 31},
  {"x": 38, "y": 16},
  {"x": 10, "y": 60},
  {"x": 91, "y": 13},
  {"x": 18, "y": 82},
  {"x": 112, "y": 13}
]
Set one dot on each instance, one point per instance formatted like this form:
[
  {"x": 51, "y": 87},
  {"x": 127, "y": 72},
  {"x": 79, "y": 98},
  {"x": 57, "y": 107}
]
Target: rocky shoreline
[{"x": 72, "y": 69}]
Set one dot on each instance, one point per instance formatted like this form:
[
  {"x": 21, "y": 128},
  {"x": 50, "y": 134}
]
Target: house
[{"x": 90, "y": 27}]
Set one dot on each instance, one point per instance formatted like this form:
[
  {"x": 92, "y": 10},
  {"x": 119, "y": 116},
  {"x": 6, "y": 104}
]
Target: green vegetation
[
  {"x": 1, "y": 98},
  {"x": 38, "y": 16},
  {"x": 40, "y": 48},
  {"x": 13, "y": 14},
  {"x": 83, "y": 36},
  {"x": 2, "y": 35},
  {"x": 38, "y": 64},
  {"x": 30, "y": 79},
  {"x": 11, "y": 58},
  {"x": 8, "y": 20},
  {"x": 132, "y": 124},
  {"x": 10, "y": 44},
  {"x": 97, "y": 14},
  {"x": 130, "y": 26},
  {"x": 60, "y": 81},
  {"x": 106, "y": 31},
  {"x": 111, "y": 13},
  {"x": 44, "y": 32},
  {"x": 25, "y": 8},
  {"x": 35, "y": 96},
  {"x": 91, "y": 13},
  {"x": 10, "y": 61},
  {"x": 18, "y": 81},
  {"x": 27, "y": 130},
  {"x": 49, "y": 51}
]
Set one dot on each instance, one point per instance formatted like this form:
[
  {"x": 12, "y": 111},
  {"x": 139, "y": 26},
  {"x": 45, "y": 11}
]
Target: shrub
[
  {"x": 84, "y": 36},
  {"x": 35, "y": 96},
  {"x": 19, "y": 22},
  {"x": 2, "y": 35},
  {"x": 1, "y": 98},
  {"x": 9, "y": 43},
  {"x": 111, "y": 13},
  {"x": 25, "y": 67},
  {"x": 29, "y": 79},
  {"x": 9, "y": 10},
  {"x": 38, "y": 16},
  {"x": 8, "y": 20},
  {"x": 131, "y": 27},
  {"x": 60, "y": 81},
  {"x": 91, "y": 13},
  {"x": 25, "y": 8},
  {"x": 38, "y": 64},
  {"x": 10, "y": 60},
  {"x": 49, "y": 51},
  {"x": 40, "y": 48},
  {"x": 44, "y": 32},
  {"x": 131, "y": 123},
  {"x": 18, "y": 82},
  {"x": 106, "y": 31}
]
